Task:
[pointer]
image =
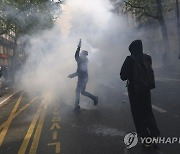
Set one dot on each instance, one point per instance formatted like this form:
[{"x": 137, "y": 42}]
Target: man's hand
[
  {"x": 72, "y": 75},
  {"x": 79, "y": 45}
]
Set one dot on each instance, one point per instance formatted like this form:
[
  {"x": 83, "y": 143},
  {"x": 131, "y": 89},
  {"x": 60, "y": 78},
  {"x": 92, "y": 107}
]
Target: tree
[
  {"x": 152, "y": 9},
  {"x": 27, "y": 16}
]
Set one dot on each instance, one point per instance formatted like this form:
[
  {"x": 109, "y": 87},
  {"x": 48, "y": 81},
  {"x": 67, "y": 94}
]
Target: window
[
  {"x": 10, "y": 52},
  {"x": 6, "y": 62},
  {"x": 1, "y": 49},
  {"x": 1, "y": 62},
  {"x": 5, "y": 50}
]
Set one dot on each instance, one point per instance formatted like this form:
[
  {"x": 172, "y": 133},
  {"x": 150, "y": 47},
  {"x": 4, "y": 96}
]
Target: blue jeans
[{"x": 81, "y": 88}]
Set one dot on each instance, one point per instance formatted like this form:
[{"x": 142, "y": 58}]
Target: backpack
[{"x": 143, "y": 74}]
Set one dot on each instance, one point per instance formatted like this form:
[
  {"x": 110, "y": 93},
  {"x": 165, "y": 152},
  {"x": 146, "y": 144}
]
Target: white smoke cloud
[{"x": 50, "y": 54}]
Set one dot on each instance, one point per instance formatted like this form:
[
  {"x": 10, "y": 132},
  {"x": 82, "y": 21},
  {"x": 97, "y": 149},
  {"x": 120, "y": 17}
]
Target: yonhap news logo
[
  {"x": 160, "y": 140},
  {"x": 131, "y": 140}
]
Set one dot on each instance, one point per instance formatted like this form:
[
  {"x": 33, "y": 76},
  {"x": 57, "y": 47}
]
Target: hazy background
[{"x": 50, "y": 53}]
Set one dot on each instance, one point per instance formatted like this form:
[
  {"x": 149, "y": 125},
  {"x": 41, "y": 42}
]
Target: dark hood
[{"x": 136, "y": 48}]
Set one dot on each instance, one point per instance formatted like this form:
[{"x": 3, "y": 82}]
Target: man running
[{"x": 82, "y": 73}]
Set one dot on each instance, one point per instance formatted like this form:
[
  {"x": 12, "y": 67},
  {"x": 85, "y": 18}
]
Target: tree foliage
[
  {"x": 144, "y": 9},
  {"x": 27, "y": 16},
  {"x": 148, "y": 8}
]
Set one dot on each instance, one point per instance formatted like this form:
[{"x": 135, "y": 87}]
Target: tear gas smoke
[{"x": 50, "y": 54}]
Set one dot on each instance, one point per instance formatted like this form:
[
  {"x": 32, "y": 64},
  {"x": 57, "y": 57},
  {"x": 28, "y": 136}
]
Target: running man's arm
[
  {"x": 77, "y": 51},
  {"x": 72, "y": 75}
]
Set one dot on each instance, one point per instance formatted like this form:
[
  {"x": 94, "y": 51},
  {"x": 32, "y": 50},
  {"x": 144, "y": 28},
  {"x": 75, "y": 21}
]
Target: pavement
[{"x": 34, "y": 124}]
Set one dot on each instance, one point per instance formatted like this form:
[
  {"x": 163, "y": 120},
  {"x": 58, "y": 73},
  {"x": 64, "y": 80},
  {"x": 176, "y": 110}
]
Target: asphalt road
[{"x": 34, "y": 124}]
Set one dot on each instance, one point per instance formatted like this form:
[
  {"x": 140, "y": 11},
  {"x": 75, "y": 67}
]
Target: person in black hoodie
[{"x": 140, "y": 102}]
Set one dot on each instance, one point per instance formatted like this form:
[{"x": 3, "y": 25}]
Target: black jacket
[{"x": 126, "y": 73}]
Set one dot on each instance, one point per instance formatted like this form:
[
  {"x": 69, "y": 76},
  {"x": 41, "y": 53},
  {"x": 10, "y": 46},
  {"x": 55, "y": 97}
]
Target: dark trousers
[
  {"x": 143, "y": 116},
  {"x": 81, "y": 88}
]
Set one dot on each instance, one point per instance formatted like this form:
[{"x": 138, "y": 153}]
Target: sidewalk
[{"x": 6, "y": 92}]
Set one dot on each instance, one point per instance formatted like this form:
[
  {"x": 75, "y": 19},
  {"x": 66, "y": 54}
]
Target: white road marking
[
  {"x": 167, "y": 79},
  {"x": 108, "y": 85},
  {"x": 7, "y": 98},
  {"x": 125, "y": 93},
  {"x": 153, "y": 106},
  {"x": 175, "y": 115},
  {"x": 158, "y": 109}
]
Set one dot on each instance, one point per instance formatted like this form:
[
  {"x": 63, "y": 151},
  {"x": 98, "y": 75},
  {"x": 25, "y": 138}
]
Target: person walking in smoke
[
  {"x": 138, "y": 72},
  {"x": 82, "y": 73}
]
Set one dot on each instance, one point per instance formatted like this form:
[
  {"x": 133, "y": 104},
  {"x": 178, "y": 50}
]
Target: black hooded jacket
[{"x": 126, "y": 73}]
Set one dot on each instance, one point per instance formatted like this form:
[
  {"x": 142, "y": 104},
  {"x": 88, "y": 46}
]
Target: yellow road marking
[
  {"x": 8, "y": 122},
  {"x": 56, "y": 119},
  {"x": 19, "y": 111},
  {"x": 54, "y": 135},
  {"x": 26, "y": 140},
  {"x": 57, "y": 144},
  {"x": 56, "y": 113},
  {"x": 37, "y": 134},
  {"x": 55, "y": 125}
]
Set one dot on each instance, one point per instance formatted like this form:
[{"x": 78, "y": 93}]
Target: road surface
[{"x": 35, "y": 124}]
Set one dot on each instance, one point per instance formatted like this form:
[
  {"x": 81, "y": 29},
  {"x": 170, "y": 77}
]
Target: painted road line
[
  {"x": 37, "y": 134},
  {"x": 153, "y": 106},
  {"x": 7, "y": 98},
  {"x": 5, "y": 129},
  {"x": 158, "y": 109},
  {"x": 57, "y": 146},
  {"x": 108, "y": 85},
  {"x": 125, "y": 93},
  {"x": 19, "y": 111},
  {"x": 54, "y": 128},
  {"x": 167, "y": 79},
  {"x": 175, "y": 115},
  {"x": 54, "y": 135},
  {"x": 26, "y": 140}
]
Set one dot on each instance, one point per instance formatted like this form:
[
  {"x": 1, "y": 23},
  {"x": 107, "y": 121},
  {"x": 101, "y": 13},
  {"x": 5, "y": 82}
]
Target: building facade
[{"x": 7, "y": 47}]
